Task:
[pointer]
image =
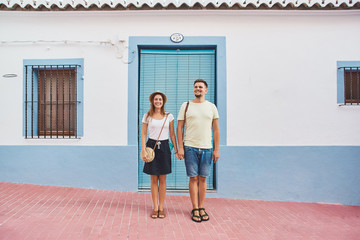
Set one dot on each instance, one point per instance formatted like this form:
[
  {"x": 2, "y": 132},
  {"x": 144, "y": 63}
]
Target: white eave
[{"x": 174, "y": 4}]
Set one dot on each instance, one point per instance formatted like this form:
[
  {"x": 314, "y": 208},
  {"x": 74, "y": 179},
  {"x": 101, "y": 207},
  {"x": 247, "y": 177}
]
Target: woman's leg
[
  {"x": 162, "y": 191},
  {"x": 155, "y": 191}
]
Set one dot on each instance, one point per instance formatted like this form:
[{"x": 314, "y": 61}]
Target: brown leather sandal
[
  {"x": 161, "y": 214},
  {"x": 155, "y": 214}
]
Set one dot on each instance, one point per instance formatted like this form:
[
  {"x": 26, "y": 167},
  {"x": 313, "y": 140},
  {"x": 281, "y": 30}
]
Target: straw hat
[{"x": 151, "y": 98}]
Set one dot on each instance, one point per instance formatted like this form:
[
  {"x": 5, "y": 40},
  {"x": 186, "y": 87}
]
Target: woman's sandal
[
  {"x": 195, "y": 216},
  {"x": 161, "y": 214},
  {"x": 204, "y": 215},
  {"x": 155, "y": 214}
]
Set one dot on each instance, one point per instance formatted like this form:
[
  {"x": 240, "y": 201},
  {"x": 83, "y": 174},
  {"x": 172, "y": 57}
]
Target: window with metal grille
[
  {"x": 53, "y": 98},
  {"x": 349, "y": 83},
  {"x": 352, "y": 86}
]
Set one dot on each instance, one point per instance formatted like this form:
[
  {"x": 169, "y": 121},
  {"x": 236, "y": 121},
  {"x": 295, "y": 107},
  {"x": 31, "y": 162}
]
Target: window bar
[
  {"x": 32, "y": 102},
  {"x": 57, "y": 101},
  {"x": 69, "y": 101},
  {"x": 63, "y": 92},
  {"x": 76, "y": 102},
  {"x": 44, "y": 87},
  {"x": 357, "y": 85},
  {"x": 26, "y": 102},
  {"x": 344, "y": 85},
  {"x": 39, "y": 102},
  {"x": 351, "y": 96},
  {"x": 51, "y": 101}
]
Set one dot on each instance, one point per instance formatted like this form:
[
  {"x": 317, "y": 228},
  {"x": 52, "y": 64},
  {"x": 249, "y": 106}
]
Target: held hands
[{"x": 180, "y": 154}]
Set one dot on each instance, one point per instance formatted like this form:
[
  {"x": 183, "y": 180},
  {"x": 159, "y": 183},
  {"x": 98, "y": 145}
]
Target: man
[{"x": 198, "y": 116}]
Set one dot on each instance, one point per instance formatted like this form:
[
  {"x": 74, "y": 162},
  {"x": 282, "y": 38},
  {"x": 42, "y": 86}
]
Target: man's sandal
[
  {"x": 204, "y": 215},
  {"x": 195, "y": 216},
  {"x": 155, "y": 214}
]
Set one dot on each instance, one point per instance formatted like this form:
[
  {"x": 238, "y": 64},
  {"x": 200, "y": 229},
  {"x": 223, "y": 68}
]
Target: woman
[{"x": 153, "y": 121}]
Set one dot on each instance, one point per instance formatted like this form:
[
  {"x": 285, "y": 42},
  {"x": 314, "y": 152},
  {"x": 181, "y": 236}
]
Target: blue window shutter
[{"x": 173, "y": 72}]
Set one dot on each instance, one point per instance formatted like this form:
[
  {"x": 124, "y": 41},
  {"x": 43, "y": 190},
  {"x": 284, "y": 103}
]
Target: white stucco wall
[{"x": 281, "y": 70}]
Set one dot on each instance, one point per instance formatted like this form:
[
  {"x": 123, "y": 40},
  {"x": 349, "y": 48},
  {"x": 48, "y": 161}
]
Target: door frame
[{"x": 135, "y": 43}]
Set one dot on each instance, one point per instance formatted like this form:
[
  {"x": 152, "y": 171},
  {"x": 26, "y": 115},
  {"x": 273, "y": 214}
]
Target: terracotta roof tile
[{"x": 173, "y": 4}]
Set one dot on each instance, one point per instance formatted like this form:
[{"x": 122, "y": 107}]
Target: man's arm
[
  {"x": 216, "y": 131},
  {"x": 180, "y": 138}
]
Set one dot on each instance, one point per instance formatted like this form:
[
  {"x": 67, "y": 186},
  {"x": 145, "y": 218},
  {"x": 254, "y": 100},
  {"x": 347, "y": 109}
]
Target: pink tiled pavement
[{"x": 44, "y": 212}]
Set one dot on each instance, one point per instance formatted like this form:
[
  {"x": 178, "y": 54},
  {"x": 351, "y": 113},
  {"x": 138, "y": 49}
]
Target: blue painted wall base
[
  {"x": 302, "y": 174},
  {"x": 109, "y": 167}
]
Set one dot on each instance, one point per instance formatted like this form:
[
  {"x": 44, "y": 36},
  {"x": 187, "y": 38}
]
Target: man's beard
[{"x": 198, "y": 95}]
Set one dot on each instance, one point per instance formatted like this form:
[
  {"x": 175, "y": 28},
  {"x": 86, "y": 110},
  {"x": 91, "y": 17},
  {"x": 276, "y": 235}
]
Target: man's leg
[
  {"x": 192, "y": 171},
  {"x": 202, "y": 193},
  {"x": 194, "y": 195},
  {"x": 205, "y": 168}
]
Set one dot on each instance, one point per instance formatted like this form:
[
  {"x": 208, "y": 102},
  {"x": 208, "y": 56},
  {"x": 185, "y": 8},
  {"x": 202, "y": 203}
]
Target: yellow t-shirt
[{"x": 198, "y": 124}]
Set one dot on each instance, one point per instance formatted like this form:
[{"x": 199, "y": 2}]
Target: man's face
[{"x": 200, "y": 89}]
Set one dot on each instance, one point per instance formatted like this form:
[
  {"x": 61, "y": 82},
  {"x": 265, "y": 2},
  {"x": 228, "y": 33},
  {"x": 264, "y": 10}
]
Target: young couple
[{"x": 200, "y": 119}]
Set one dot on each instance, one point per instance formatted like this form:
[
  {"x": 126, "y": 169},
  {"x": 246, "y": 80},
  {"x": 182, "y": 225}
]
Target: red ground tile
[{"x": 43, "y": 212}]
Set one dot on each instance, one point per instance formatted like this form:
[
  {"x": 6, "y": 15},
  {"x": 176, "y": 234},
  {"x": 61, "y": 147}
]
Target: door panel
[{"x": 173, "y": 72}]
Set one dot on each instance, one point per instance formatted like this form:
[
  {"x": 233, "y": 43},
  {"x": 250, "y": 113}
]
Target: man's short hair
[{"x": 202, "y": 81}]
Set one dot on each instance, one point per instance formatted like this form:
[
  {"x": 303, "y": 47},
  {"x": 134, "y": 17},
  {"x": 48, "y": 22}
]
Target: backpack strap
[{"x": 187, "y": 106}]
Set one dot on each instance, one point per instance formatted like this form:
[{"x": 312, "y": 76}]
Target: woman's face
[{"x": 158, "y": 101}]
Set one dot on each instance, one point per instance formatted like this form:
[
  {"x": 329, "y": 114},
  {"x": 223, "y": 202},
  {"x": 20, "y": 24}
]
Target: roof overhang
[{"x": 83, "y": 5}]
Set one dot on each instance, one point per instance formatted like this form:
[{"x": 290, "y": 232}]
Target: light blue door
[{"x": 173, "y": 72}]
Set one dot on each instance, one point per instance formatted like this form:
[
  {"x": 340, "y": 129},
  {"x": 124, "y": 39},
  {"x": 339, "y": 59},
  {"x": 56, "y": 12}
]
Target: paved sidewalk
[{"x": 44, "y": 212}]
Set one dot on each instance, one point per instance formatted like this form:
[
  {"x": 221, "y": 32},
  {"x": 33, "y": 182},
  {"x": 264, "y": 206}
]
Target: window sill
[
  {"x": 349, "y": 105},
  {"x": 53, "y": 138}
]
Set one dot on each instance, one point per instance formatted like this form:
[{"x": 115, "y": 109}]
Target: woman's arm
[
  {"x": 173, "y": 138},
  {"x": 143, "y": 141}
]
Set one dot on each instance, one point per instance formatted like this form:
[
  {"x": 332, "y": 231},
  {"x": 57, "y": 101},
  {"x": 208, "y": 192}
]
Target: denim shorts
[{"x": 198, "y": 161}]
